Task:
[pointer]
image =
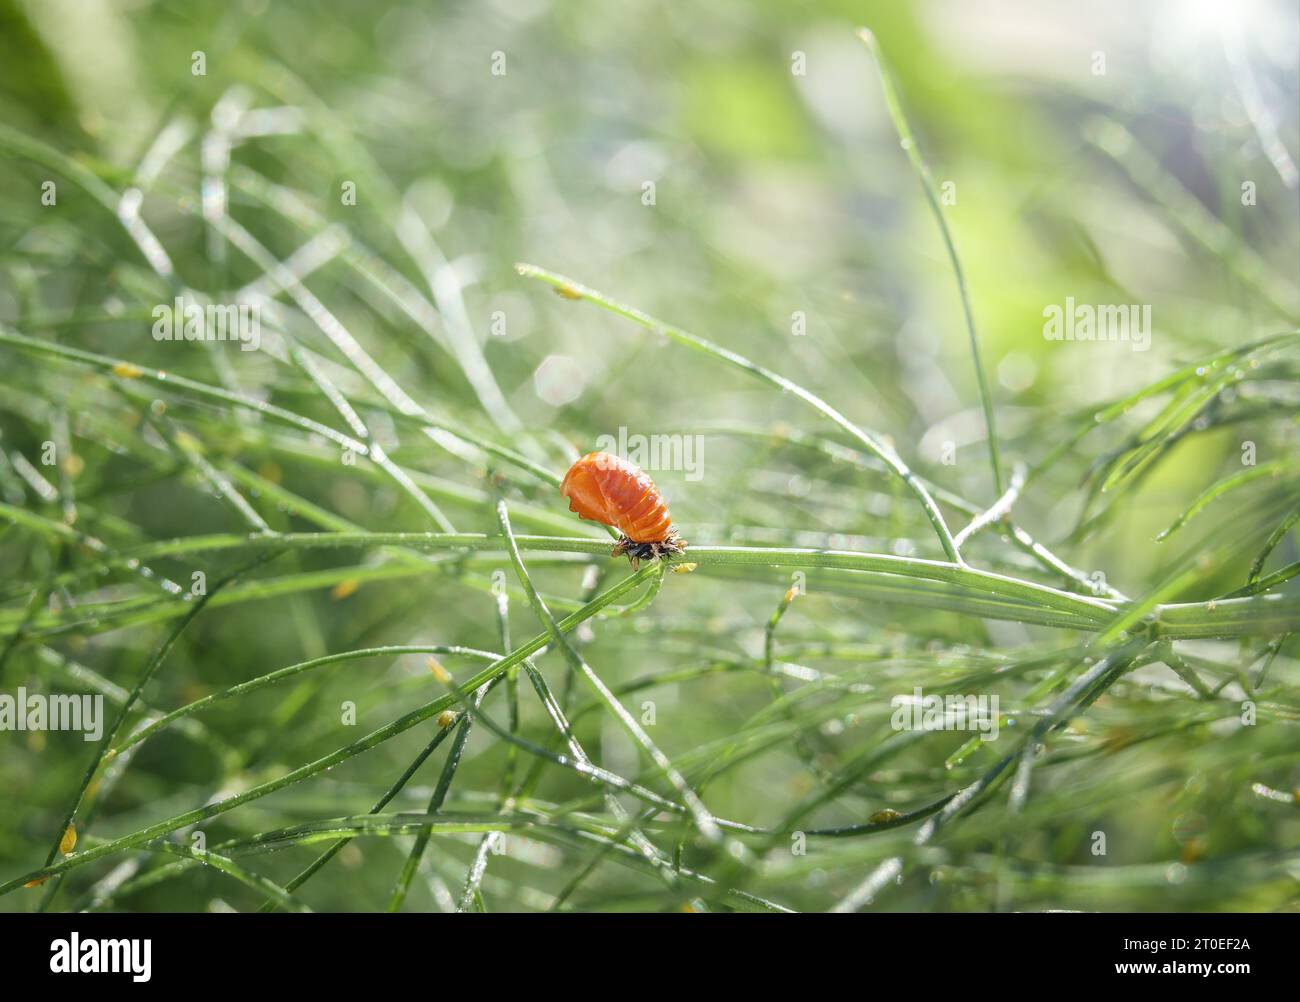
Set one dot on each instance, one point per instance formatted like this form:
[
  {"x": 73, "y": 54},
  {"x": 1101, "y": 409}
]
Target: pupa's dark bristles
[{"x": 670, "y": 546}]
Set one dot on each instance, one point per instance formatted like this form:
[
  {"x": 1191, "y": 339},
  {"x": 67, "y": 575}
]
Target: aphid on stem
[{"x": 614, "y": 492}]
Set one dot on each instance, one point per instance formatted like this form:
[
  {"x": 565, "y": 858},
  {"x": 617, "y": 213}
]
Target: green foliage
[{"x": 262, "y": 559}]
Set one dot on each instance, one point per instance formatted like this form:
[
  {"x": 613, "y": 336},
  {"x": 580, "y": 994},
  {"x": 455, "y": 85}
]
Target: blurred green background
[{"x": 779, "y": 189}]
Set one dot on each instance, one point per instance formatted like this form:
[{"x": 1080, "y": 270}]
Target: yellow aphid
[
  {"x": 127, "y": 371},
  {"x": 439, "y": 672},
  {"x": 446, "y": 718},
  {"x": 684, "y": 568},
  {"x": 37, "y": 882},
  {"x": 344, "y": 588},
  {"x": 69, "y": 841},
  {"x": 567, "y": 291},
  {"x": 884, "y": 816},
  {"x": 791, "y": 594}
]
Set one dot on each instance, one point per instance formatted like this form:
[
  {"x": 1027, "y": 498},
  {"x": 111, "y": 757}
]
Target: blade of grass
[
  {"x": 883, "y": 452},
  {"x": 909, "y": 144},
  {"x": 124, "y": 711},
  {"x": 704, "y": 821},
  {"x": 449, "y": 767},
  {"x": 376, "y": 737}
]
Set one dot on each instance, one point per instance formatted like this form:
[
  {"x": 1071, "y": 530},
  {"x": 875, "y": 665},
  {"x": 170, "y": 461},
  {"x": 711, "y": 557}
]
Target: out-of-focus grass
[{"x": 391, "y": 457}]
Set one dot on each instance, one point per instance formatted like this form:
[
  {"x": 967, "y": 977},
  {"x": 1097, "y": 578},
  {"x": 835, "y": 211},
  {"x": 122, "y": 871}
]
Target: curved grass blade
[
  {"x": 895, "y": 105},
  {"x": 574, "y": 290}
]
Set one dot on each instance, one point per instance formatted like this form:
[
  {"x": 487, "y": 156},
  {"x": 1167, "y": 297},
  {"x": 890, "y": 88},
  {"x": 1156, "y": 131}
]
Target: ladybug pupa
[{"x": 607, "y": 489}]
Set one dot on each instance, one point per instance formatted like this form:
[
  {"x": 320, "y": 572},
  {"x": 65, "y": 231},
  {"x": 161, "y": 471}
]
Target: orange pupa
[{"x": 607, "y": 489}]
